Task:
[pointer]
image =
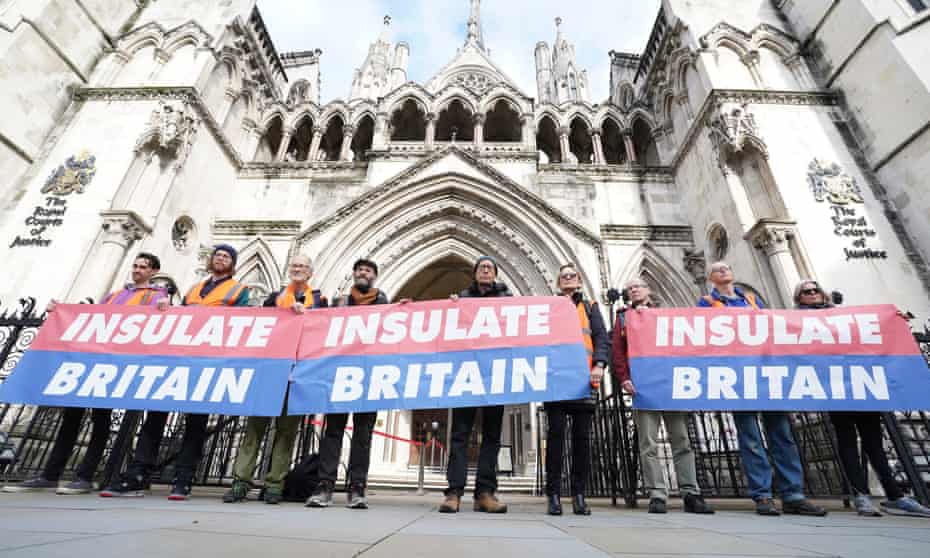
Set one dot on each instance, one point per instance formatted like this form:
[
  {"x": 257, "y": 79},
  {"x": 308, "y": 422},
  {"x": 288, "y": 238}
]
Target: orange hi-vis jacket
[
  {"x": 224, "y": 294},
  {"x": 586, "y": 332},
  {"x": 131, "y": 295}
]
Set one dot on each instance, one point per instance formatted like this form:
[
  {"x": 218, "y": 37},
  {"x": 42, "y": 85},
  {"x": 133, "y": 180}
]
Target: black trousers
[
  {"x": 869, "y": 427},
  {"x": 71, "y": 418},
  {"x": 359, "y": 454},
  {"x": 153, "y": 429},
  {"x": 463, "y": 418},
  {"x": 582, "y": 416}
]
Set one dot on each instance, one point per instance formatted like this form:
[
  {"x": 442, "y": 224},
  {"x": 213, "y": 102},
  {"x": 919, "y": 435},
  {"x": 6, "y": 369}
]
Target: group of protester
[{"x": 220, "y": 288}]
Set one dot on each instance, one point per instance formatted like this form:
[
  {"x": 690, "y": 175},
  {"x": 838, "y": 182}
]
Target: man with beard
[
  {"x": 485, "y": 284},
  {"x": 218, "y": 289},
  {"x": 363, "y": 292},
  {"x": 297, "y": 297},
  {"x": 140, "y": 292}
]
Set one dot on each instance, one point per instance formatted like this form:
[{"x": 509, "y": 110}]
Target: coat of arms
[
  {"x": 73, "y": 176},
  {"x": 829, "y": 182}
]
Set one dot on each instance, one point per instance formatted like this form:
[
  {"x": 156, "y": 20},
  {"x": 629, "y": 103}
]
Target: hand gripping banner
[
  {"x": 463, "y": 353},
  {"x": 232, "y": 361},
  {"x": 842, "y": 359}
]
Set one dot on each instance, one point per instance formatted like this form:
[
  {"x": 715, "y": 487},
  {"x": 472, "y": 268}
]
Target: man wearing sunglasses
[{"x": 781, "y": 444}]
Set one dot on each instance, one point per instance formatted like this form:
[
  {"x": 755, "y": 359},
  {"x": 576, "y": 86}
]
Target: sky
[{"x": 434, "y": 29}]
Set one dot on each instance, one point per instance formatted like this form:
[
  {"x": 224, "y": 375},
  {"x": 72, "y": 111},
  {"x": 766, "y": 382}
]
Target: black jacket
[
  {"x": 598, "y": 329},
  {"x": 496, "y": 290},
  {"x": 347, "y": 300}
]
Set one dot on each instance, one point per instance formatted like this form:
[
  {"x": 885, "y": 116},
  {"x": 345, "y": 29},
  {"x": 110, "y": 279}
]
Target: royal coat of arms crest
[
  {"x": 829, "y": 182},
  {"x": 73, "y": 176}
]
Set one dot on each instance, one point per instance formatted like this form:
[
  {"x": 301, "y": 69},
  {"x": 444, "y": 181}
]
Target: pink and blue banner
[
  {"x": 861, "y": 358},
  {"x": 469, "y": 352},
  {"x": 231, "y": 361}
]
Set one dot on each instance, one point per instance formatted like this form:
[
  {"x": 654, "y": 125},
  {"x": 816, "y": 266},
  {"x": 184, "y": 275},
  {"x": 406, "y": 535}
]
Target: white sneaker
[
  {"x": 864, "y": 506},
  {"x": 905, "y": 506}
]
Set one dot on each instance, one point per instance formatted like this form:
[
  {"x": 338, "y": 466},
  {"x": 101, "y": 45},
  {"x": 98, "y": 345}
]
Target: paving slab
[
  {"x": 851, "y": 546},
  {"x": 644, "y": 540},
  {"x": 433, "y": 546}
]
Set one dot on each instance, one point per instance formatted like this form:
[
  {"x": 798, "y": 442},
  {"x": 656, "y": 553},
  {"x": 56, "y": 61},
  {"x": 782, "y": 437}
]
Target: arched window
[
  {"x": 752, "y": 170},
  {"x": 331, "y": 144},
  {"x": 456, "y": 117},
  {"x": 502, "y": 123},
  {"x": 271, "y": 141},
  {"x": 547, "y": 140},
  {"x": 364, "y": 135},
  {"x": 408, "y": 123},
  {"x": 573, "y": 86},
  {"x": 644, "y": 145},
  {"x": 299, "y": 149},
  {"x": 612, "y": 141},
  {"x": 579, "y": 141}
]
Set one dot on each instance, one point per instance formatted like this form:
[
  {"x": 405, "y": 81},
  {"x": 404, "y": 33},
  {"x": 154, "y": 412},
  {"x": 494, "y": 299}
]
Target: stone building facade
[{"x": 770, "y": 133}]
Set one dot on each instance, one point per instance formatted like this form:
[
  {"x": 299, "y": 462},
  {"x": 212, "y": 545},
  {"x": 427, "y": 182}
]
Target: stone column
[
  {"x": 478, "y": 119},
  {"x": 315, "y": 143},
  {"x": 120, "y": 229},
  {"x": 430, "y": 130},
  {"x": 564, "y": 147},
  {"x": 285, "y": 142},
  {"x": 528, "y": 121},
  {"x": 628, "y": 143},
  {"x": 380, "y": 139},
  {"x": 773, "y": 238},
  {"x": 347, "y": 133},
  {"x": 751, "y": 61},
  {"x": 598, "y": 158}
]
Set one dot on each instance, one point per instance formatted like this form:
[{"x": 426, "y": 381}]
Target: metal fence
[{"x": 615, "y": 471}]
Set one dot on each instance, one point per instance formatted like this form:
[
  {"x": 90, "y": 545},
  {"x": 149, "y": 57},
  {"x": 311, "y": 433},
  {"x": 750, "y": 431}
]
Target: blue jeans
[{"x": 790, "y": 475}]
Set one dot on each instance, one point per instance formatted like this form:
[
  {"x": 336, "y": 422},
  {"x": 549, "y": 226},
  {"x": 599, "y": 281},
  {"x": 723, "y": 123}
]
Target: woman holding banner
[
  {"x": 581, "y": 410},
  {"x": 810, "y": 295}
]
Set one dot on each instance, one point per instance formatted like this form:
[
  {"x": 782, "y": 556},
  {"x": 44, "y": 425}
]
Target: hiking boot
[
  {"x": 128, "y": 485},
  {"x": 77, "y": 486},
  {"x": 488, "y": 503},
  {"x": 802, "y": 507},
  {"x": 37, "y": 484},
  {"x": 657, "y": 505},
  {"x": 322, "y": 496},
  {"x": 180, "y": 490},
  {"x": 273, "y": 495},
  {"x": 237, "y": 492},
  {"x": 450, "y": 504},
  {"x": 766, "y": 506},
  {"x": 356, "y": 498},
  {"x": 864, "y": 506},
  {"x": 694, "y": 503},
  {"x": 905, "y": 506}
]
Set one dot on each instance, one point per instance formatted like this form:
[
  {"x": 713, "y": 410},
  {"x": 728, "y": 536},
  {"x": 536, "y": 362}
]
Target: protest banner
[
  {"x": 469, "y": 352},
  {"x": 845, "y": 359},
  {"x": 232, "y": 361}
]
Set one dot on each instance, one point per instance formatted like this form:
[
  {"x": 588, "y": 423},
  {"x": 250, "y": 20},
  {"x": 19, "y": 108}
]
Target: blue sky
[{"x": 344, "y": 29}]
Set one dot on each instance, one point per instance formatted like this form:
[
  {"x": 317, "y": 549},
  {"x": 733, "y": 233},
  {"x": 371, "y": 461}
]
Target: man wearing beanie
[
  {"x": 485, "y": 284},
  {"x": 218, "y": 289},
  {"x": 363, "y": 292}
]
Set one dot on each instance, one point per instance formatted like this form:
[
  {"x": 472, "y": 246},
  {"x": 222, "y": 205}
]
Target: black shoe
[
  {"x": 128, "y": 485},
  {"x": 180, "y": 490},
  {"x": 322, "y": 496},
  {"x": 356, "y": 498},
  {"x": 694, "y": 503},
  {"x": 766, "y": 506},
  {"x": 657, "y": 505},
  {"x": 803, "y": 507},
  {"x": 579, "y": 506},
  {"x": 555, "y": 505}
]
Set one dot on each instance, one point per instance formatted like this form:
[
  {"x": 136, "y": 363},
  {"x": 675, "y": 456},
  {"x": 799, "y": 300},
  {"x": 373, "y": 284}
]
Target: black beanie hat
[
  {"x": 228, "y": 249},
  {"x": 485, "y": 259},
  {"x": 365, "y": 262}
]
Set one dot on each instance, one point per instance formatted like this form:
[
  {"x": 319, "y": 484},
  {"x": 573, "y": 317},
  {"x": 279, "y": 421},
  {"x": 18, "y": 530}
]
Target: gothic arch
[
  {"x": 457, "y": 116},
  {"x": 671, "y": 285},
  {"x": 609, "y": 112},
  {"x": 259, "y": 270},
  {"x": 408, "y": 121},
  {"x": 400, "y": 97},
  {"x": 452, "y": 94},
  {"x": 491, "y": 100},
  {"x": 547, "y": 138}
]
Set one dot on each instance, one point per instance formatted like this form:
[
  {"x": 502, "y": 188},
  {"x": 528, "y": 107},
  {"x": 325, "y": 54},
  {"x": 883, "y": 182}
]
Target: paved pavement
[{"x": 406, "y": 525}]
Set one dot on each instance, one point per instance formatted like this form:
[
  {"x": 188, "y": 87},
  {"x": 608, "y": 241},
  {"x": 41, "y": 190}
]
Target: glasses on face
[
  {"x": 720, "y": 269},
  {"x": 300, "y": 266},
  {"x": 568, "y": 276},
  {"x": 487, "y": 267},
  {"x": 222, "y": 255},
  {"x": 810, "y": 292}
]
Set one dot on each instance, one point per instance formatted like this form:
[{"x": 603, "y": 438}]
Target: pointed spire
[
  {"x": 558, "y": 33},
  {"x": 474, "y": 25},
  {"x": 386, "y": 31}
]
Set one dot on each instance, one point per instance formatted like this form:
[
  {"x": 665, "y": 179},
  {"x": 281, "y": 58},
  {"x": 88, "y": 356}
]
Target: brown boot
[
  {"x": 488, "y": 503},
  {"x": 450, "y": 504}
]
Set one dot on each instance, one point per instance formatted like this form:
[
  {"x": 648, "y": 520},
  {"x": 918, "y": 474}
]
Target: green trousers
[{"x": 285, "y": 435}]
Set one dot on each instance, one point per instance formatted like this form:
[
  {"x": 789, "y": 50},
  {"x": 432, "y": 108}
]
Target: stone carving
[
  {"x": 696, "y": 265},
  {"x": 171, "y": 130},
  {"x": 829, "y": 183},
  {"x": 475, "y": 81},
  {"x": 73, "y": 176},
  {"x": 183, "y": 233},
  {"x": 730, "y": 130},
  {"x": 719, "y": 243}
]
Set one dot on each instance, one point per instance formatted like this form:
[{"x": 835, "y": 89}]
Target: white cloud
[{"x": 436, "y": 28}]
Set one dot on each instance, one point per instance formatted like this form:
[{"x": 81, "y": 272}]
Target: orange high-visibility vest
[
  {"x": 141, "y": 297},
  {"x": 586, "y": 331},
  {"x": 224, "y": 294},
  {"x": 715, "y": 303}
]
